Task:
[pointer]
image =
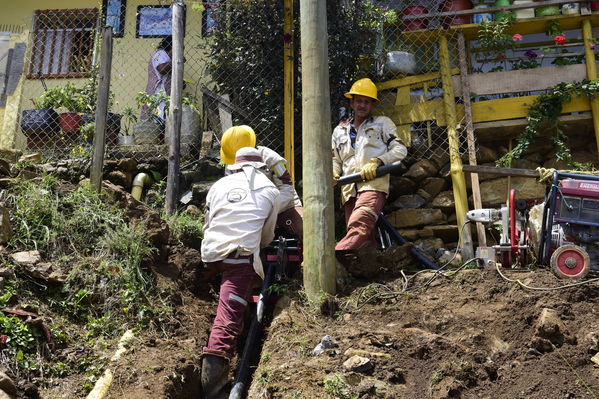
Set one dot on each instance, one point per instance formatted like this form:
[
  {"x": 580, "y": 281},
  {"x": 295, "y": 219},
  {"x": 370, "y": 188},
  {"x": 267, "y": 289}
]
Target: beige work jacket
[{"x": 376, "y": 138}]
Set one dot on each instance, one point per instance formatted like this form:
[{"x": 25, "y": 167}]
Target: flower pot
[
  {"x": 400, "y": 62},
  {"x": 524, "y": 13},
  {"x": 485, "y": 17},
  {"x": 414, "y": 24},
  {"x": 69, "y": 121},
  {"x": 571, "y": 9},
  {"x": 147, "y": 132},
  {"x": 502, "y": 15},
  {"x": 455, "y": 5},
  {"x": 43, "y": 120},
  {"x": 547, "y": 11}
]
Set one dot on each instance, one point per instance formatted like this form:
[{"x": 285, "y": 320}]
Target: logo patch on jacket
[{"x": 236, "y": 195}]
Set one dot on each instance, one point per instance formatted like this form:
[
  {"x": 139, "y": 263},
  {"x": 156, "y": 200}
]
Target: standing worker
[
  {"x": 290, "y": 206},
  {"x": 361, "y": 144},
  {"x": 241, "y": 213}
]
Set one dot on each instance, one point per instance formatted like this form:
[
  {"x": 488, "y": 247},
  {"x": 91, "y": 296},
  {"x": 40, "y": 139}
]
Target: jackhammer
[{"x": 281, "y": 255}]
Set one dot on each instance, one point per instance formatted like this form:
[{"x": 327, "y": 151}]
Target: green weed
[
  {"x": 336, "y": 386},
  {"x": 186, "y": 227}
]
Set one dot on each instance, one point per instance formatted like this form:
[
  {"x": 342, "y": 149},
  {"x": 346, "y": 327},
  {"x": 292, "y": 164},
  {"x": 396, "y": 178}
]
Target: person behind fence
[
  {"x": 361, "y": 144},
  {"x": 290, "y": 206},
  {"x": 241, "y": 214},
  {"x": 159, "y": 74}
]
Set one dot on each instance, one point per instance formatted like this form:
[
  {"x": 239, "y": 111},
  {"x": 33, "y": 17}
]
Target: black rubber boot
[{"x": 215, "y": 376}]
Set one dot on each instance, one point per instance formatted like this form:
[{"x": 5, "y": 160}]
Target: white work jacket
[
  {"x": 376, "y": 138},
  {"x": 241, "y": 214},
  {"x": 277, "y": 166}
]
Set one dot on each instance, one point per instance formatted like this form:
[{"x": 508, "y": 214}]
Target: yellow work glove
[
  {"x": 335, "y": 178},
  {"x": 368, "y": 171}
]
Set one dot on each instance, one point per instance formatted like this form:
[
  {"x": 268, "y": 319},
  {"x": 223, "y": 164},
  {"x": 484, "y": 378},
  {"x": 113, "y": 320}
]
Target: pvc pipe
[{"x": 141, "y": 180}]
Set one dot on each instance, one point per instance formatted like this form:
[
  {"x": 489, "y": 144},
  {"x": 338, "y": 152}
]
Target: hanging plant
[{"x": 546, "y": 109}]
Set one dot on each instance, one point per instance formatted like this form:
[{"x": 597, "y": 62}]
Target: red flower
[
  {"x": 559, "y": 39},
  {"x": 501, "y": 57},
  {"x": 207, "y": 6},
  {"x": 517, "y": 37}
]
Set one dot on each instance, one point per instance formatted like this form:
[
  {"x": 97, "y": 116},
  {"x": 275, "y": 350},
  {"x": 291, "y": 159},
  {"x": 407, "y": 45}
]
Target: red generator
[{"x": 570, "y": 228}]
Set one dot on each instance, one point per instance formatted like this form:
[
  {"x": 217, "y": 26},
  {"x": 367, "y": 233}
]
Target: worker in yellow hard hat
[
  {"x": 290, "y": 206},
  {"x": 361, "y": 144}
]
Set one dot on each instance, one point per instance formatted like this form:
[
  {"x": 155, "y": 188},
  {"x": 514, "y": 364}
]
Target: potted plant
[
  {"x": 66, "y": 98},
  {"x": 150, "y": 126},
  {"x": 455, "y": 5},
  {"x": 129, "y": 121},
  {"x": 88, "y": 101},
  {"x": 503, "y": 15}
]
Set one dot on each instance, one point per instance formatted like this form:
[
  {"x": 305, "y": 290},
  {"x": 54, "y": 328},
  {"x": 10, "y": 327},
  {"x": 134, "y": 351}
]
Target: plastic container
[
  {"x": 44, "y": 120},
  {"x": 190, "y": 130},
  {"x": 147, "y": 132},
  {"x": 485, "y": 17},
  {"x": 401, "y": 62},
  {"x": 571, "y": 9},
  {"x": 524, "y": 13},
  {"x": 502, "y": 15}
]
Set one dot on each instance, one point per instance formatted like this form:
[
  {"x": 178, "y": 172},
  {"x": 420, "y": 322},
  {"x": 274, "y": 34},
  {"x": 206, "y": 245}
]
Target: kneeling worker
[
  {"x": 241, "y": 214},
  {"x": 290, "y": 206}
]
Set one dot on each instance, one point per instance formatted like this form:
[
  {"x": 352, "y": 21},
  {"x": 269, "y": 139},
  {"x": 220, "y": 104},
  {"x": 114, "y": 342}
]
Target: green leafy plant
[
  {"x": 547, "y": 109},
  {"x": 61, "y": 97},
  {"x": 129, "y": 120},
  {"x": 336, "y": 386},
  {"x": 494, "y": 41}
]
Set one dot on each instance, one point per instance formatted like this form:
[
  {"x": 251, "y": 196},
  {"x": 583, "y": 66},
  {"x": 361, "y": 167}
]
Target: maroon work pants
[
  {"x": 361, "y": 213},
  {"x": 238, "y": 278}
]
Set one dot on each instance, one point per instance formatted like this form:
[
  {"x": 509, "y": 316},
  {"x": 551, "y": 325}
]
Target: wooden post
[
  {"x": 589, "y": 56},
  {"x": 317, "y": 166},
  {"x": 172, "y": 179},
  {"x": 288, "y": 84},
  {"x": 457, "y": 175},
  {"x": 95, "y": 175},
  {"x": 480, "y": 229}
]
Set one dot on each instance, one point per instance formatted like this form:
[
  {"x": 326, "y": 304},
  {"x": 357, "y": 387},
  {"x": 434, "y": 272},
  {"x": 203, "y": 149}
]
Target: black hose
[{"x": 380, "y": 171}]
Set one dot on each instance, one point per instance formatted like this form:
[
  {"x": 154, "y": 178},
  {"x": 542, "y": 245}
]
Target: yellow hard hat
[
  {"x": 363, "y": 87},
  {"x": 234, "y": 138}
]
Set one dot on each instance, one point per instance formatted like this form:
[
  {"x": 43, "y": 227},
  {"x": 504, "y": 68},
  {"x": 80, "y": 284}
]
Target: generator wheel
[{"x": 570, "y": 261}]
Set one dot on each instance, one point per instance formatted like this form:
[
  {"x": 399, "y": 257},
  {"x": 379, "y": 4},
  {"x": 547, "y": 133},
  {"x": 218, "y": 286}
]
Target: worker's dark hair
[{"x": 166, "y": 44}]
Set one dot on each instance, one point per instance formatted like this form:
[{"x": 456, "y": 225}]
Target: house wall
[{"x": 130, "y": 60}]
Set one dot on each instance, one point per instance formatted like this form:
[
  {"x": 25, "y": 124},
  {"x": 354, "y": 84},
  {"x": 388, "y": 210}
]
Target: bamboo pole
[
  {"x": 99, "y": 145},
  {"x": 288, "y": 84},
  {"x": 462, "y": 55},
  {"x": 317, "y": 167},
  {"x": 172, "y": 179},
  {"x": 589, "y": 56},
  {"x": 457, "y": 175}
]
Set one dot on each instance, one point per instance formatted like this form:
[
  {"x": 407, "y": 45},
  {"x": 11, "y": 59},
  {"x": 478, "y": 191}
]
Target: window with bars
[{"x": 63, "y": 43}]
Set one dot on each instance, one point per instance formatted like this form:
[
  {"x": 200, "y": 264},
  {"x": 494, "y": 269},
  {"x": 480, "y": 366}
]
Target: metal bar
[
  {"x": 491, "y": 9},
  {"x": 172, "y": 180},
  {"x": 288, "y": 85},
  {"x": 101, "y": 110},
  {"x": 465, "y": 81},
  {"x": 492, "y": 170},
  {"x": 319, "y": 231},
  {"x": 457, "y": 175}
]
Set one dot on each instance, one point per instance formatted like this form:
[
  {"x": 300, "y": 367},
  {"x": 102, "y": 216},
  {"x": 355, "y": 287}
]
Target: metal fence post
[
  {"x": 317, "y": 167},
  {"x": 172, "y": 181},
  {"x": 101, "y": 110}
]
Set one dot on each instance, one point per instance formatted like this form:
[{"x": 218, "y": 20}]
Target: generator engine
[{"x": 570, "y": 230}]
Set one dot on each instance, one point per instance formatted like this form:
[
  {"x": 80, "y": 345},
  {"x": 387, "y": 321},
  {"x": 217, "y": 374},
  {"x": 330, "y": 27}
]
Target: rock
[
  {"x": 400, "y": 186},
  {"x": 357, "y": 364},
  {"x": 26, "y": 257},
  {"x": 595, "y": 359},
  {"x": 433, "y": 185},
  {"x": 430, "y": 245},
  {"x": 486, "y": 154},
  {"x": 6, "y": 182},
  {"x": 127, "y": 165},
  {"x": 426, "y": 196},
  {"x": 590, "y": 341},
  {"x": 524, "y": 164},
  {"x": 123, "y": 179},
  {"x": 110, "y": 165},
  {"x": 550, "y": 327},
  {"x": 535, "y": 157},
  {"x": 411, "y": 201},
  {"x": 360, "y": 352},
  {"x": 7, "y": 385},
  {"x": 35, "y": 158},
  {"x": 494, "y": 192},
  {"x": 404, "y": 218},
  {"x": 541, "y": 345},
  {"x": 193, "y": 210},
  {"x": 444, "y": 200},
  {"x": 440, "y": 157},
  {"x": 200, "y": 191},
  {"x": 5, "y": 227},
  {"x": 414, "y": 234},
  {"x": 48, "y": 168},
  {"x": 448, "y": 233},
  {"x": 421, "y": 170},
  {"x": 325, "y": 343},
  {"x": 4, "y": 395},
  {"x": 445, "y": 172},
  {"x": 10, "y": 155}
]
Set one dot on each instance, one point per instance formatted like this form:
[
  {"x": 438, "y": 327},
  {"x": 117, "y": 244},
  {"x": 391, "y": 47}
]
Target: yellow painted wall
[{"x": 130, "y": 58}]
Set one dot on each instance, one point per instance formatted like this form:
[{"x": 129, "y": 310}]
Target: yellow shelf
[{"x": 522, "y": 26}]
